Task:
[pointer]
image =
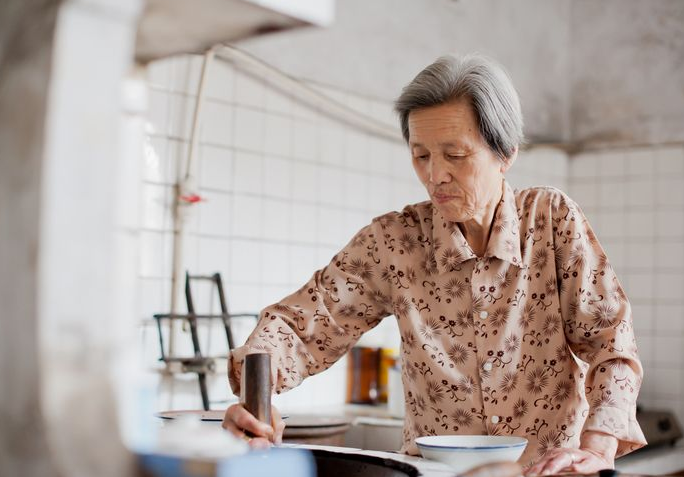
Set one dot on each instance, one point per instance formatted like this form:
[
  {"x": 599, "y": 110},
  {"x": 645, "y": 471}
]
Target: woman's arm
[
  {"x": 308, "y": 331},
  {"x": 596, "y": 452},
  {"x": 598, "y": 327}
]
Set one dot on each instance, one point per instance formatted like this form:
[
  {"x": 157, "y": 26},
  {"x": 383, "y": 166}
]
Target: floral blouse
[{"x": 533, "y": 339}]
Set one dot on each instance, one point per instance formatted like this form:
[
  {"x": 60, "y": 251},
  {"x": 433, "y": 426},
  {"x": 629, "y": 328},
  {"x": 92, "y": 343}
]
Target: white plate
[{"x": 465, "y": 452}]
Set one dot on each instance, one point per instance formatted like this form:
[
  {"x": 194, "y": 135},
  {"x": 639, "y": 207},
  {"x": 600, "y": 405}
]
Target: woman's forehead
[{"x": 452, "y": 124}]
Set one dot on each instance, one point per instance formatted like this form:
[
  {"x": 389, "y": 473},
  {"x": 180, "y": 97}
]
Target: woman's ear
[{"x": 507, "y": 162}]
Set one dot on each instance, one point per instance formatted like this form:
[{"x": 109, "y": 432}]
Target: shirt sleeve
[
  {"x": 311, "y": 329},
  {"x": 598, "y": 326}
]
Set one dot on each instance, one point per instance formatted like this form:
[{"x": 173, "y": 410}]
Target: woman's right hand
[{"x": 237, "y": 420}]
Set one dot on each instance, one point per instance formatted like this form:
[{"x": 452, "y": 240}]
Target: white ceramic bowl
[{"x": 465, "y": 452}]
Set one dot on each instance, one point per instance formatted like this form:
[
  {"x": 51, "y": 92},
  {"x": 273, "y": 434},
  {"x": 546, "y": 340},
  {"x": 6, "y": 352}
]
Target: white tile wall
[
  {"x": 645, "y": 229},
  {"x": 284, "y": 187},
  {"x": 217, "y": 123}
]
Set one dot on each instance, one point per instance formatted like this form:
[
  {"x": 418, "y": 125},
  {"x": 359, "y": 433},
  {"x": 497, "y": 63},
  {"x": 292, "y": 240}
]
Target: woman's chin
[{"x": 454, "y": 215}]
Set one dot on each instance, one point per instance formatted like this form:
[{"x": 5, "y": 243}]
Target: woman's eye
[
  {"x": 455, "y": 156},
  {"x": 422, "y": 157}
]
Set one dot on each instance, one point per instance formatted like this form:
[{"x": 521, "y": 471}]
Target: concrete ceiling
[
  {"x": 627, "y": 70},
  {"x": 609, "y": 72}
]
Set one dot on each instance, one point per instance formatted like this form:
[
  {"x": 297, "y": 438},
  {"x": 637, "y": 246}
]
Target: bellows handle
[{"x": 256, "y": 385}]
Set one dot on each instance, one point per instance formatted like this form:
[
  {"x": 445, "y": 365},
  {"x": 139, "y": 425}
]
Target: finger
[
  {"x": 247, "y": 422},
  {"x": 279, "y": 432},
  {"x": 589, "y": 464},
  {"x": 278, "y": 426},
  {"x": 535, "y": 468},
  {"x": 538, "y": 466},
  {"x": 526, "y": 469},
  {"x": 556, "y": 464},
  {"x": 254, "y": 442},
  {"x": 259, "y": 443},
  {"x": 235, "y": 431},
  {"x": 228, "y": 417},
  {"x": 586, "y": 468}
]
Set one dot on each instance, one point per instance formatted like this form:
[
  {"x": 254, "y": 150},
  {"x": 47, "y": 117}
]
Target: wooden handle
[{"x": 256, "y": 385}]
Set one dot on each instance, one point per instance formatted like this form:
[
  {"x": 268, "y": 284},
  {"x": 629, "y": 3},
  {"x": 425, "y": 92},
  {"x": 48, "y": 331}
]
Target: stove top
[{"x": 659, "y": 427}]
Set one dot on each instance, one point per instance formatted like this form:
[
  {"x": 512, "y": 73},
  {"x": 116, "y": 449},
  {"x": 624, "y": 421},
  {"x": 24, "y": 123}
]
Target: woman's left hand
[
  {"x": 578, "y": 461},
  {"x": 597, "y": 451}
]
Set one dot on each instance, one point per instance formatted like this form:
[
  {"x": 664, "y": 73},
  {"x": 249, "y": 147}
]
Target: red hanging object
[{"x": 191, "y": 198}]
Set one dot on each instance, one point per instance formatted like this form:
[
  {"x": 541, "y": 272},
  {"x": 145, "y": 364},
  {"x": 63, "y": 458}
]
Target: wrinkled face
[{"x": 452, "y": 160}]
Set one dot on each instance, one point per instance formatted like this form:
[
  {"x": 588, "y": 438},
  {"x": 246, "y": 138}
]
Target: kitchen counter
[
  {"x": 376, "y": 433},
  {"x": 374, "y": 428},
  {"x": 657, "y": 461},
  {"x": 426, "y": 468},
  {"x": 205, "y": 440}
]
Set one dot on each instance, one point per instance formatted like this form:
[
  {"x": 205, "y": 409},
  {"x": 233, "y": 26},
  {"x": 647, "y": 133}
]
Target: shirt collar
[{"x": 452, "y": 249}]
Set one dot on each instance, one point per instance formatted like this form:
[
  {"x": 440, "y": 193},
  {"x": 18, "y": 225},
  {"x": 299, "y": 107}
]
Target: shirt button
[
  {"x": 495, "y": 419},
  {"x": 483, "y": 315},
  {"x": 487, "y": 366}
]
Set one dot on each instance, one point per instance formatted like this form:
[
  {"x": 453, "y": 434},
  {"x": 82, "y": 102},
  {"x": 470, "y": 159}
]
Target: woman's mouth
[{"x": 442, "y": 198}]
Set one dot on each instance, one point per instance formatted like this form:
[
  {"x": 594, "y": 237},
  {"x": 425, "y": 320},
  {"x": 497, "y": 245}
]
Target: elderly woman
[{"x": 512, "y": 320}]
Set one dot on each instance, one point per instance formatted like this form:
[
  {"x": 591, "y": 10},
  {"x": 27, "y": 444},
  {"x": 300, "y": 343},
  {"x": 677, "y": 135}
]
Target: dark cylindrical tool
[{"x": 256, "y": 386}]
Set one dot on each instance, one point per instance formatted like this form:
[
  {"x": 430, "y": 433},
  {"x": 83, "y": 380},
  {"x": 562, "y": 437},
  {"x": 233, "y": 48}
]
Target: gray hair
[{"x": 478, "y": 78}]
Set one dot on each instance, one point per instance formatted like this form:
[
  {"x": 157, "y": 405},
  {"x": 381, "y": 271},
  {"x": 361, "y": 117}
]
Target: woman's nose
[{"x": 438, "y": 172}]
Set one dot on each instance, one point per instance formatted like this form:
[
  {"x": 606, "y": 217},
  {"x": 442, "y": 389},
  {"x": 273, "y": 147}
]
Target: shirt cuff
[
  {"x": 235, "y": 359},
  {"x": 618, "y": 423}
]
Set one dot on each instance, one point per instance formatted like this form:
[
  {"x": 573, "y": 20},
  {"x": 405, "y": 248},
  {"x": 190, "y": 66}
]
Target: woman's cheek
[{"x": 470, "y": 200}]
